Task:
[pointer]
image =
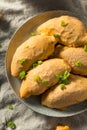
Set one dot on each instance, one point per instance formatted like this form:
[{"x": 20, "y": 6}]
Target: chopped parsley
[
  {"x": 85, "y": 48},
  {"x": 22, "y": 60},
  {"x": 36, "y": 78},
  {"x": 63, "y": 78},
  {"x": 32, "y": 34},
  {"x": 63, "y": 23},
  {"x": 44, "y": 82},
  {"x": 62, "y": 86},
  {"x": 34, "y": 65},
  {"x": 66, "y": 74},
  {"x": 11, "y": 125},
  {"x": 10, "y": 107},
  {"x": 22, "y": 74},
  {"x": 78, "y": 64},
  {"x": 56, "y": 35},
  {"x": 39, "y": 62}
]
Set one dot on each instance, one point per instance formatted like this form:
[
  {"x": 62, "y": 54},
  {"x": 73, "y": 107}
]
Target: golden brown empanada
[
  {"x": 75, "y": 57},
  {"x": 68, "y": 30},
  {"x": 35, "y": 48},
  {"x": 61, "y": 96},
  {"x": 42, "y": 77}
]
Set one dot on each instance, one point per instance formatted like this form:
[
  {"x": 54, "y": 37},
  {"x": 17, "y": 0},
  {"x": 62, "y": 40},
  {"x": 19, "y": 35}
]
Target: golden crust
[
  {"x": 62, "y": 128},
  {"x": 75, "y": 92},
  {"x": 75, "y": 57},
  {"x": 45, "y": 71},
  {"x": 71, "y": 31},
  {"x": 35, "y": 48}
]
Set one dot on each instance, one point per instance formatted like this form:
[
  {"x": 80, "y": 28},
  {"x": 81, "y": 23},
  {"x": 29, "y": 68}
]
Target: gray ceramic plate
[{"x": 21, "y": 35}]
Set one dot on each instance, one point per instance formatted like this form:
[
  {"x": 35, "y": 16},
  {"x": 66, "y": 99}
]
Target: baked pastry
[
  {"x": 75, "y": 57},
  {"x": 35, "y": 48},
  {"x": 67, "y": 30},
  {"x": 42, "y": 77},
  {"x": 62, "y": 128},
  {"x": 61, "y": 96}
]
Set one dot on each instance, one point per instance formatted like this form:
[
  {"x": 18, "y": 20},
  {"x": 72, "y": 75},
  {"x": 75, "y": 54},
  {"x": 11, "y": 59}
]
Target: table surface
[{"x": 13, "y": 13}]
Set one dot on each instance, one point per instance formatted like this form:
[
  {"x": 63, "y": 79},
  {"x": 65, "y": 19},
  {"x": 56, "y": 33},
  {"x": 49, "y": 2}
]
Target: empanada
[
  {"x": 42, "y": 77},
  {"x": 61, "y": 96},
  {"x": 75, "y": 57},
  {"x": 68, "y": 30},
  {"x": 35, "y": 48}
]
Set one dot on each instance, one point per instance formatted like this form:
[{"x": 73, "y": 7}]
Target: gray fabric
[{"x": 15, "y": 12}]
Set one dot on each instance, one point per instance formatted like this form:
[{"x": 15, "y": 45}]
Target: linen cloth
[{"x": 12, "y": 14}]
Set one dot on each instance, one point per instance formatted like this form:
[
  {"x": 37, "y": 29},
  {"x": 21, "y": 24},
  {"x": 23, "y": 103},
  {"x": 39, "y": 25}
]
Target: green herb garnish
[
  {"x": 78, "y": 64},
  {"x": 63, "y": 23},
  {"x": 62, "y": 86},
  {"x": 59, "y": 76},
  {"x": 22, "y": 60},
  {"x": 85, "y": 48},
  {"x": 32, "y": 34},
  {"x": 22, "y": 74},
  {"x": 10, "y": 107},
  {"x": 36, "y": 64},
  {"x": 66, "y": 74},
  {"x": 11, "y": 125},
  {"x": 36, "y": 78},
  {"x": 39, "y": 62},
  {"x": 44, "y": 81},
  {"x": 56, "y": 35},
  {"x": 63, "y": 78}
]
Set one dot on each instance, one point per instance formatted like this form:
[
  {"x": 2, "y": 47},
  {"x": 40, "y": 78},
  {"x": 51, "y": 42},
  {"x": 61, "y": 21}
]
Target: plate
[{"x": 22, "y": 34}]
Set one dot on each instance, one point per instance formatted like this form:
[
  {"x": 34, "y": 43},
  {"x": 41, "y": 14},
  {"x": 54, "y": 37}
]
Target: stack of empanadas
[{"x": 54, "y": 63}]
